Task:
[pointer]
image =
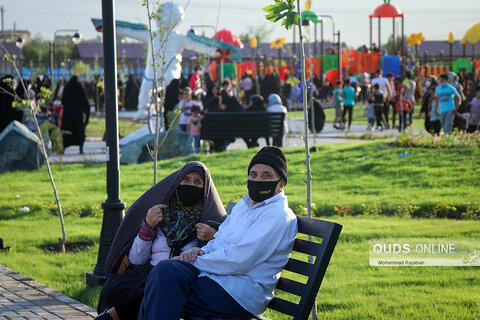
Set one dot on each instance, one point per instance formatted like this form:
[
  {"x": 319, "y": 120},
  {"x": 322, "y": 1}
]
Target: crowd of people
[
  {"x": 62, "y": 111},
  {"x": 201, "y": 96},
  {"x": 445, "y": 103}
]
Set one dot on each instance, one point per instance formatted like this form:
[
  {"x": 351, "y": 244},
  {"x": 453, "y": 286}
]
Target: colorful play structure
[{"x": 404, "y": 58}]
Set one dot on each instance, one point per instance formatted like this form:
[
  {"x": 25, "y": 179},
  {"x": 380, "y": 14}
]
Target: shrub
[
  {"x": 457, "y": 139},
  {"x": 406, "y": 209},
  {"x": 372, "y": 208},
  {"x": 472, "y": 211},
  {"x": 444, "y": 209},
  {"x": 344, "y": 211}
]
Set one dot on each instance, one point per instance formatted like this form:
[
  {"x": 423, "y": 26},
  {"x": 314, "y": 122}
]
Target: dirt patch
[{"x": 69, "y": 246}]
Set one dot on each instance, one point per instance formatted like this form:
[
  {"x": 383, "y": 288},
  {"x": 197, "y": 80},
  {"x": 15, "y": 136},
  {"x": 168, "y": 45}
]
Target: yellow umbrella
[{"x": 472, "y": 35}]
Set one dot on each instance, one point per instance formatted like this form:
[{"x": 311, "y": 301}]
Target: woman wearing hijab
[
  {"x": 76, "y": 111},
  {"x": 275, "y": 105},
  {"x": 7, "y": 112},
  {"x": 180, "y": 212}
]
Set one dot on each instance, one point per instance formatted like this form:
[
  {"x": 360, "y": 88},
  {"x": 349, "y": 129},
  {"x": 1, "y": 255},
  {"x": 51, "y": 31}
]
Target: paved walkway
[
  {"x": 95, "y": 149},
  {"x": 24, "y": 298}
]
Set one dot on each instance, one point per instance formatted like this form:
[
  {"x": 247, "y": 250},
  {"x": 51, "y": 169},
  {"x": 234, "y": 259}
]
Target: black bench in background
[
  {"x": 231, "y": 125},
  {"x": 321, "y": 250}
]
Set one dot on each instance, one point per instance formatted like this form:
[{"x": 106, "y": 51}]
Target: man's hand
[
  {"x": 205, "y": 232},
  {"x": 155, "y": 215},
  {"x": 191, "y": 254}
]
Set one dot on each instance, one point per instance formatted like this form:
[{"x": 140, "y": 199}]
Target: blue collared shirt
[{"x": 250, "y": 249}]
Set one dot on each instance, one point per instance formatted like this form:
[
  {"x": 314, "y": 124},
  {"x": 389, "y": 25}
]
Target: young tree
[
  {"x": 28, "y": 104},
  {"x": 284, "y": 10}
]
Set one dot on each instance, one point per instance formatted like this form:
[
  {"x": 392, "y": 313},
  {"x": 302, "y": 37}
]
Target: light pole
[
  {"x": 19, "y": 43},
  {"x": 76, "y": 38},
  {"x": 323, "y": 16},
  {"x": 112, "y": 207},
  {"x": 340, "y": 75},
  {"x": 332, "y": 19}
]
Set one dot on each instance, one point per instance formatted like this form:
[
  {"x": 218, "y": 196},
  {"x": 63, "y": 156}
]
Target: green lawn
[
  {"x": 352, "y": 289},
  {"x": 96, "y": 127},
  {"x": 359, "y": 117},
  {"x": 343, "y": 175}
]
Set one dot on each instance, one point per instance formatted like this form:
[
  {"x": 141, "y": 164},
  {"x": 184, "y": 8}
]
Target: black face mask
[
  {"x": 189, "y": 195},
  {"x": 261, "y": 190}
]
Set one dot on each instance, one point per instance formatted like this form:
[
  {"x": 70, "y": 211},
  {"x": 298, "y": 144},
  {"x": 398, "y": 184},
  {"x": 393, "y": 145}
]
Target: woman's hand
[
  {"x": 155, "y": 215},
  {"x": 191, "y": 254},
  {"x": 205, "y": 232}
]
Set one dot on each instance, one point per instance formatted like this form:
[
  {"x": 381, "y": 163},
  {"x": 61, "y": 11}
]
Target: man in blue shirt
[
  {"x": 447, "y": 105},
  {"x": 235, "y": 274},
  {"x": 348, "y": 94}
]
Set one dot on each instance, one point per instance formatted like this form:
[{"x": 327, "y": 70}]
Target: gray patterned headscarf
[{"x": 213, "y": 212}]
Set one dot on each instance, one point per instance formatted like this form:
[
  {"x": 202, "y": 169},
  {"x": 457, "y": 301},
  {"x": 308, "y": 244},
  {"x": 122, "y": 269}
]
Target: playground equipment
[
  {"x": 166, "y": 42},
  {"x": 387, "y": 10}
]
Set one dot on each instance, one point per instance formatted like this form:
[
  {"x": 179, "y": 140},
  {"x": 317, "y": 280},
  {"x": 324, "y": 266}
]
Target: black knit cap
[{"x": 274, "y": 157}]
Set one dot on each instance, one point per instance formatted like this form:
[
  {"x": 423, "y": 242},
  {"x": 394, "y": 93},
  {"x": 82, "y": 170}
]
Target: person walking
[
  {"x": 384, "y": 87},
  {"x": 403, "y": 106},
  {"x": 378, "y": 100},
  {"x": 337, "y": 104},
  {"x": 410, "y": 87},
  {"x": 447, "y": 103},
  {"x": 474, "y": 115},
  {"x": 348, "y": 95},
  {"x": 76, "y": 113}
]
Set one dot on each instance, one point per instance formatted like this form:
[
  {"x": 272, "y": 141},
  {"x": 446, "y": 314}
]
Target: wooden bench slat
[
  {"x": 307, "y": 247},
  {"x": 283, "y": 306},
  {"x": 322, "y": 251},
  {"x": 300, "y": 267},
  {"x": 291, "y": 286},
  {"x": 314, "y": 227}
]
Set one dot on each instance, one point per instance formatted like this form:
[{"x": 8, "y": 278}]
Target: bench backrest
[
  {"x": 321, "y": 251},
  {"x": 227, "y": 125}
]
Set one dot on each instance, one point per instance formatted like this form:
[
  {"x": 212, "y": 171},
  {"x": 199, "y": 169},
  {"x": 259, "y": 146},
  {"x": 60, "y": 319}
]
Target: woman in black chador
[
  {"x": 75, "y": 114},
  {"x": 7, "y": 112}
]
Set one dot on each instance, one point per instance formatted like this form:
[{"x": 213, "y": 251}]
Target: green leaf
[{"x": 282, "y": 10}]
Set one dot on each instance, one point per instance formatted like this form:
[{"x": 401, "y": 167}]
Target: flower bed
[{"x": 457, "y": 139}]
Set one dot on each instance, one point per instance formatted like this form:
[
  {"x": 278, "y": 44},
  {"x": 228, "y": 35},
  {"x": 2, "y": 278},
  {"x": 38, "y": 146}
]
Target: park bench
[
  {"x": 231, "y": 125},
  {"x": 320, "y": 250}
]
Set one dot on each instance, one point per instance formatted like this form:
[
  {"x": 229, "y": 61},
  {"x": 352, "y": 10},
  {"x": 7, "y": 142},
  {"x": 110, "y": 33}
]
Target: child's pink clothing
[{"x": 194, "y": 124}]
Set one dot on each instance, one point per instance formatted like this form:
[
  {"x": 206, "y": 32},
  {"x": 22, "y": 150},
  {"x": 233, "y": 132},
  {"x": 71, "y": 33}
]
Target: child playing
[
  {"x": 370, "y": 116},
  {"x": 403, "y": 108},
  {"x": 193, "y": 126},
  {"x": 378, "y": 100}
]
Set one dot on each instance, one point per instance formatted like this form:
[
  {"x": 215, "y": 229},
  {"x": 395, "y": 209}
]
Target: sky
[{"x": 434, "y": 18}]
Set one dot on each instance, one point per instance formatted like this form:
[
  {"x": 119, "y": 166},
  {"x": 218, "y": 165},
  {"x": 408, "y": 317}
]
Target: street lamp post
[
  {"x": 332, "y": 19},
  {"x": 113, "y": 207},
  {"x": 76, "y": 38},
  {"x": 340, "y": 75}
]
